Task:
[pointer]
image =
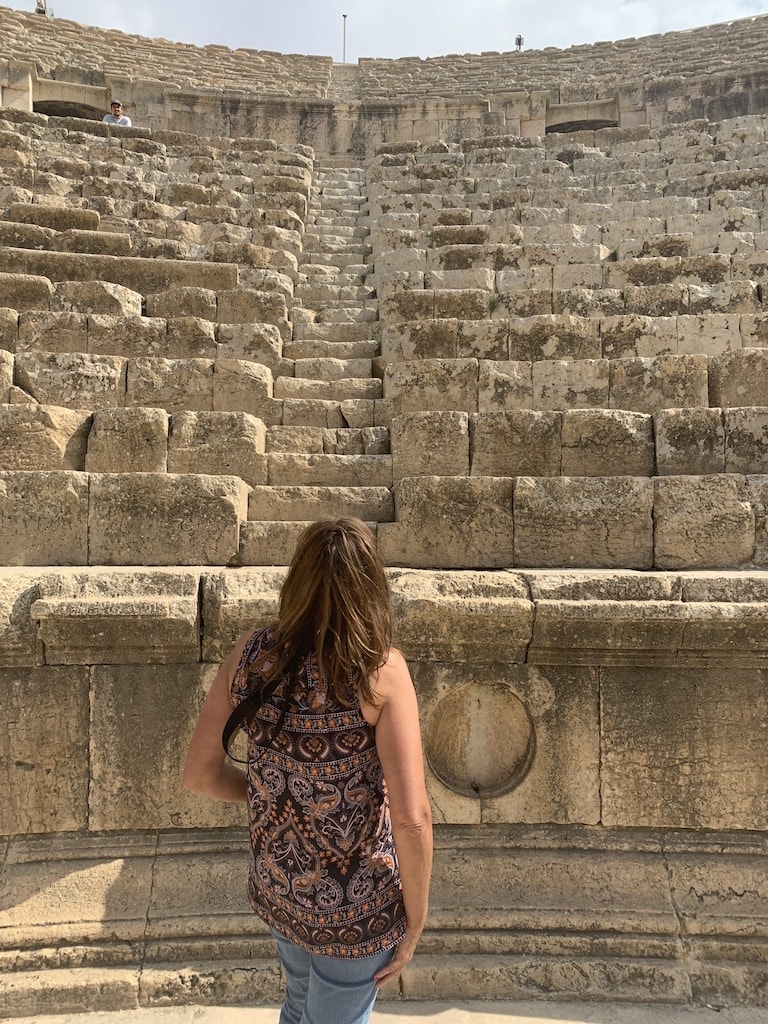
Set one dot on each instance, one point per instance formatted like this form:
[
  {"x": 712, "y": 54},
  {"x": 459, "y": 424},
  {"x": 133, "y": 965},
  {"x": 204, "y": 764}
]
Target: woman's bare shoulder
[{"x": 392, "y": 675}]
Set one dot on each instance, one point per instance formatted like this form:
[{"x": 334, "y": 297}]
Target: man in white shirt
[{"x": 117, "y": 116}]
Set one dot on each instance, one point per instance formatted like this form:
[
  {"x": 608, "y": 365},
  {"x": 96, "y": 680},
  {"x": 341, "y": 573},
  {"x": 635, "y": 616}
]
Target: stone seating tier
[
  {"x": 104, "y": 53},
  {"x": 672, "y": 522}
]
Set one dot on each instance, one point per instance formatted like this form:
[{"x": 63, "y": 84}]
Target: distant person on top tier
[{"x": 117, "y": 116}]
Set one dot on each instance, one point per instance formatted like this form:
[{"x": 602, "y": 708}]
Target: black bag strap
[{"x": 245, "y": 710}]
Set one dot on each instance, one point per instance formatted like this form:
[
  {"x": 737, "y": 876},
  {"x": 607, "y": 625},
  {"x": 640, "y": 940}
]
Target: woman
[{"x": 339, "y": 817}]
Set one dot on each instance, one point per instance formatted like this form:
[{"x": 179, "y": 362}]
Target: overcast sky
[{"x": 396, "y": 28}]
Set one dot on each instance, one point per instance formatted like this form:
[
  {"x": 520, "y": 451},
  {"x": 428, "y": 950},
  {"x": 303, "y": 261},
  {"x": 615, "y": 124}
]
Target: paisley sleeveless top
[{"x": 323, "y": 867}]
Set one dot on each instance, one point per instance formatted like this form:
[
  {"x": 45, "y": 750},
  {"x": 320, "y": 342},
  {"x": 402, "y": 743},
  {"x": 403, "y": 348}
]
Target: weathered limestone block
[
  {"x": 636, "y": 335},
  {"x": 483, "y": 339},
  {"x": 554, "y": 337},
  {"x": 44, "y": 750},
  {"x": 690, "y": 441},
  {"x": 130, "y": 336},
  {"x": 306, "y": 470},
  {"x": 334, "y": 389},
  {"x": 96, "y": 297},
  {"x": 25, "y": 291},
  {"x": 118, "y": 616},
  {"x": 734, "y": 297},
  {"x": 60, "y": 218},
  {"x": 188, "y": 337},
  {"x": 703, "y": 522},
  {"x": 450, "y": 523},
  {"x": 7, "y": 363},
  {"x": 711, "y": 335},
  {"x": 408, "y": 305},
  {"x": 172, "y": 384},
  {"x": 242, "y": 386},
  {"x": 19, "y": 644},
  {"x": 233, "y": 601},
  {"x": 190, "y": 301},
  {"x": 466, "y": 257},
  {"x": 591, "y": 522},
  {"x": 746, "y": 440},
  {"x": 105, "y": 243},
  {"x": 739, "y": 378},
  {"x": 315, "y": 412},
  {"x": 245, "y": 306},
  {"x": 43, "y": 518},
  {"x": 9, "y": 329},
  {"x": 484, "y": 617},
  {"x": 155, "y": 519},
  {"x": 607, "y": 442},
  {"x": 269, "y": 543},
  {"x": 757, "y": 488},
  {"x": 463, "y": 303},
  {"x": 394, "y": 283},
  {"x": 420, "y": 339},
  {"x": 40, "y": 330},
  {"x": 570, "y": 384},
  {"x": 522, "y": 442},
  {"x": 587, "y": 302},
  {"x": 371, "y": 504},
  {"x": 485, "y": 755},
  {"x": 42, "y": 437},
  {"x": 218, "y": 443},
  {"x": 128, "y": 441},
  {"x": 72, "y": 379},
  {"x": 753, "y": 329},
  {"x": 430, "y": 444},
  {"x": 259, "y": 343},
  {"x": 607, "y": 618},
  {"x": 644, "y": 271},
  {"x": 142, "y": 717},
  {"x": 666, "y": 382},
  {"x": 296, "y": 439},
  {"x": 659, "y": 722},
  {"x": 503, "y": 385},
  {"x": 657, "y": 299},
  {"x": 435, "y": 384}
]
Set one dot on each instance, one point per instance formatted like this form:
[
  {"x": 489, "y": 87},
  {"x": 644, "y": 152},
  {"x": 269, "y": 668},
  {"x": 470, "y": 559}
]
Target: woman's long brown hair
[{"x": 334, "y": 601}]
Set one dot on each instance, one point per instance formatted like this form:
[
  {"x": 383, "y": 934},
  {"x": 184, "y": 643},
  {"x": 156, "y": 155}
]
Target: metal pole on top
[{"x": 344, "y": 41}]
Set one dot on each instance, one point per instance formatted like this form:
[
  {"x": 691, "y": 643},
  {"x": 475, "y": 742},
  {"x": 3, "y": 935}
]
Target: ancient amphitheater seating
[{"x": 536, "y": 363}]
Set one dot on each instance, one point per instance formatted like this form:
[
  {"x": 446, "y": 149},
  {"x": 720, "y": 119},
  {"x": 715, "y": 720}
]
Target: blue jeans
[{"x": 326, "y": 989}]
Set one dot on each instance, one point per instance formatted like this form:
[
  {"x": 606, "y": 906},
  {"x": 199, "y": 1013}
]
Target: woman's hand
[{"x": 403, "y": 955}]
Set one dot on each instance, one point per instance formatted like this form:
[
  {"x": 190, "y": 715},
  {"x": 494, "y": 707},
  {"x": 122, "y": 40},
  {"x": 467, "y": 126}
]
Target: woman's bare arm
[
  {"x": 206, "y": 769},
  {"x": 398, "y": 740}
]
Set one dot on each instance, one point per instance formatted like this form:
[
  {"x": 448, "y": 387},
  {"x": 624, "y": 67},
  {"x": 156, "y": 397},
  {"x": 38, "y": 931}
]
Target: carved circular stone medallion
[{"x": 480, "y": 740}]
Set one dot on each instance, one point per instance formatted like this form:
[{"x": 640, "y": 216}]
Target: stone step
[
  {"x": 325, "y": 441},
  {"x": 677, "y": 522},
  {"x": 141, "y": 275},
  {"x": 59, "y": 218},
  {"x": 332, "y": 368},
  {"x": 30, "y": 236},
  {"x": 565, "y": 336},
  {"x": 339, "y": 389},
  {"x": 340, "y": 259},
  {"x": 346, "y": 332},
  {"x": 294, "y": 469},
  {"x": 293, "y": 503},
  {"x": 577, "y": 442},
  {"x": 501, "y": 931},
  {"x": 352, "y": 314},
  {"x": 320, "y": 348}
]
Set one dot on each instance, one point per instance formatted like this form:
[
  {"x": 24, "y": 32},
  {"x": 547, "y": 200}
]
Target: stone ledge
[{"x": 104, "y": 615}]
